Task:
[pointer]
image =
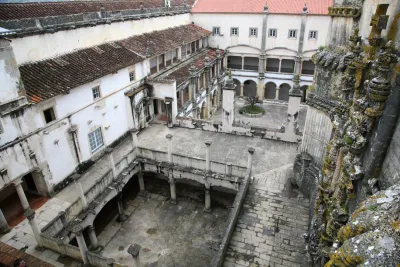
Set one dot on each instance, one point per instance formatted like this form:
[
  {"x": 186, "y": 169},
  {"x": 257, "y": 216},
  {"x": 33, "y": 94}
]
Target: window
[
  {"x": 313, "y": 35},
  {"x": 216, "y": 30},
  {"x": 253, "y": 32},
  {"x": 292, "y": 33},
  {"x": 49, "y": 115},
  {"x": 95, "y": 139},
  {"x": 234, "y": 31},
  {"x": 132, "y": 76},
  {"x": 96, "y": 92},
  {"x": 272, "y": 32}
]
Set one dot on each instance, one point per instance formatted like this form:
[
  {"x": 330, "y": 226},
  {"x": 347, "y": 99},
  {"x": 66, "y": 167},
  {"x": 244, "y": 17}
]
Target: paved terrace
[
  {"x": 274, "y": 217},
  {"x": 275, "y": 115}
]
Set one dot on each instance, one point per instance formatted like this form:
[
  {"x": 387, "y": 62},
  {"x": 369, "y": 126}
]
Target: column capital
[
  {"x": 30, "y": 214},
  {"x": 134, "y": 250},
  {"x": 169, "y": 136},
  {"x": 17, "y": 181},
  {"x": 208, "y": 143},
  {"x": 91, "y": 228},
  {"x": 77, "y": 230},
  {"x": 75, "y": 177},
  {"x": 108, "y": 150},
  {"x": 251, "y": 150}
]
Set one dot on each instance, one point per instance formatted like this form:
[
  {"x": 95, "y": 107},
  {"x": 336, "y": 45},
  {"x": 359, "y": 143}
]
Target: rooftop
[
  {"x": 51, "y": 77},
  {"x": 45, "y": 9},
  {"x": 315, "y": 7}
]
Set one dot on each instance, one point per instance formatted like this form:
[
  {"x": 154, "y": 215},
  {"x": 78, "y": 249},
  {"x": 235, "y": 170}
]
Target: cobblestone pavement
[{"x": 270, "y": 228}]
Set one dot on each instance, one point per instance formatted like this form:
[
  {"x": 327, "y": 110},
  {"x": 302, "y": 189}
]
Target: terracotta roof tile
[
  {"x": 317, "y": 7},
  {"x": 182, "y": 74},
  {"x": 51, "y": 77},
  {"x": 158, "y": 42},
  {"x": 44, "y": 9},
  {"x": 9, "y": 254}
]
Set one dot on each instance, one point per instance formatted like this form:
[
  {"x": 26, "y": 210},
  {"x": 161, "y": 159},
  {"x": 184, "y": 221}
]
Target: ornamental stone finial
[
  {"x": 305, "y": 8},
  {"x": 266, "y": 7}
]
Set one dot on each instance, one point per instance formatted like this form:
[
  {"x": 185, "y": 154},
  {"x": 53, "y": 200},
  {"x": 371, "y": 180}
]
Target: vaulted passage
[{"x": 250, "y": 88}]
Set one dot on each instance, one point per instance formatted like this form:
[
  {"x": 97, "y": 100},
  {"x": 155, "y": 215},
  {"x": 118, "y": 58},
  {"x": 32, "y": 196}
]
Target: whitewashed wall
[{"x": 37, "y": 47}]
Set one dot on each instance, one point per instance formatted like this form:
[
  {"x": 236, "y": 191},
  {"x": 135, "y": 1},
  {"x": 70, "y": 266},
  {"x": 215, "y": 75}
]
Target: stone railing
[
  {"x": 218, "y": 259},
  {"x": 344, "y": 11},
  {"x": 192, "y": 162},
  {"x": 22, "y": 27}
]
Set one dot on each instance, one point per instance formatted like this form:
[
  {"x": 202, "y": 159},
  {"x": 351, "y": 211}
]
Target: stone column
[
  {"x": 302, "y": 31},
  {"x": 280, "y": 65},
  {"x": 134, "y": 250},
  {"x": 21, "y": 194},
  {"x": 110, "y": 155},
  {"x": 30, "y": 215},
  {"x": 295, "y": 96},
  {"x": 297, "y": 69},
  {"x": 207, "y": 200},
  {"x": 121, "y": 215},
  {"x": 208, "y": 163},
  {"x": 77, "y": 230},
  {"x": 263, "y": 56},
  {"x": 228, "y": 105},
  {"x": 173, "y": 190},
  {"x": 135, "y": 141},
  {"x": 277, "y": 93},
  {"x": 169, "y": 138},
  {"x": 168, "y": 109},
  {"x": 94, "y": 244},
  {"x": 218, "y": 54},
  {"x": 4, "y": 228},
  {"x": 141, "y": 181},
  {"x": 241, "y": 89},
  {"x": 183, "y": 97},
  {"x": 75, "y": 177},
  {"x": 250, "y": 158},
  {"x": 207, "y": 85},
  {"x": 228, "y": 170},
  {"x": 242, "y": 63}
]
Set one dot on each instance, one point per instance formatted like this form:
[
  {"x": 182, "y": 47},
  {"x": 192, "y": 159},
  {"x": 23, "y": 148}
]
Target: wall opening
[
  {"x": 287, "y": 66},
  {"x": 308, "y": 68},
  {"x": 270, "y": 90},
  {"x": 272, "y": 65},
  {"x": 251, "y": 63},
  {"x": 249, "y": 88},
  {"x": 234, "y": 63},
  {"x": 284, "y": 92}
]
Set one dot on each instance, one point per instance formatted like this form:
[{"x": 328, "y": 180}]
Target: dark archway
[
  {"x": 249, "y": 88},
  {"x": 284, "y": 92},
  {"x": 270, "y": 90},
  {"x": 272, "y": 65},
  {"x": 251, "y": 63},
  {"x": 304, "y": 89},
  {"x": 237, "y": 83},
  {"x": 234, "y": 63}
]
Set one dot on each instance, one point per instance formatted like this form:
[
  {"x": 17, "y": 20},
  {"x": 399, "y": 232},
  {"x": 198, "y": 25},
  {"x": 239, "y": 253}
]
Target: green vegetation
[{"x": 252, "y": 109}]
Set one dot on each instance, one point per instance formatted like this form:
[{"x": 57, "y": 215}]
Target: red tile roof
[
  {"x": 9, "y": 254},
  {"x": 317, "y": 7},
  {"x": 44, "y": 9},
  {"x": 51, "y": 77}
]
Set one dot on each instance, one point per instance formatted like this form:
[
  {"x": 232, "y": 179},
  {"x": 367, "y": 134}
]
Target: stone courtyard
[{"x": 170, "y": 235}]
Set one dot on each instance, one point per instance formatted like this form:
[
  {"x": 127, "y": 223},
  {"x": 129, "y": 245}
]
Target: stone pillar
[
  {"x": 302, "y": 30},
  {"x": 192, "y": 89},
  {"x": 250, "y": 158},
  {"x": 242, "y": 63},
  {"x": 277, "y": 93},
  {"x": 241, "y": 89},
  {"x": 141, "y": 181},
  {"x": 168, "y": 109},
  {"x": 135, "y": 141},
  {"x": 228, "y": 105},
  {"x": 280, "y": 65},
  {"x": 183, "y": 97},
  {"x": 94, "y": 244},
  {"x": 77, "y": 230},
  {"x": 297, "y": 69},
  {"x": 110, "y": 155},
  {"x": 121, "y": 215},
  {"x": 134, "y": 250},
  {"x": 207, "y": 200},
  {"x": 169, "y": 138},
  {"x": 295, "y": 96},
  {"x": 218, "y": 54},
  {"x": 228, "y": 170},
  {"x": 207, "y": 85},
  {"x": 75, "y": 177},
  {"x": 4, "y": 228},
  {"x": 30, "y": 215},
  {"x": 21, "y": 194},
  {"x": 173, "y": 190},
  {"x": 208, "y": 163}
]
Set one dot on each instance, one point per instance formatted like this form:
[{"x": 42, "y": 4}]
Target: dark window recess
[{"x": 49, "y": 115}]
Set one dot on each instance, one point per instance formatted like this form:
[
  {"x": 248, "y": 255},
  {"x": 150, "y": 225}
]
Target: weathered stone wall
[{"x": 390, "y": 174}]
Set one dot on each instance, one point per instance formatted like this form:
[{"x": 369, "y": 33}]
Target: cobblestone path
[{"x": 270, "y": 228}]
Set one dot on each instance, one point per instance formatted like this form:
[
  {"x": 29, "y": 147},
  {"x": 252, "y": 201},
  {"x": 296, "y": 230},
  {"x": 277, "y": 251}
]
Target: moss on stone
[{"x": 252, "y": 110}]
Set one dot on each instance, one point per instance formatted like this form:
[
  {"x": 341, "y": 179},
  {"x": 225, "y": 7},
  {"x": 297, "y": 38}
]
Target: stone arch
[
  {"x": 237, "y": 84},
  {"x": 270, "y": 90},
  {"x": 304, "y": 89},
  {"x": 249, "y": 88},
  {"x": 284, "y": 92}
]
